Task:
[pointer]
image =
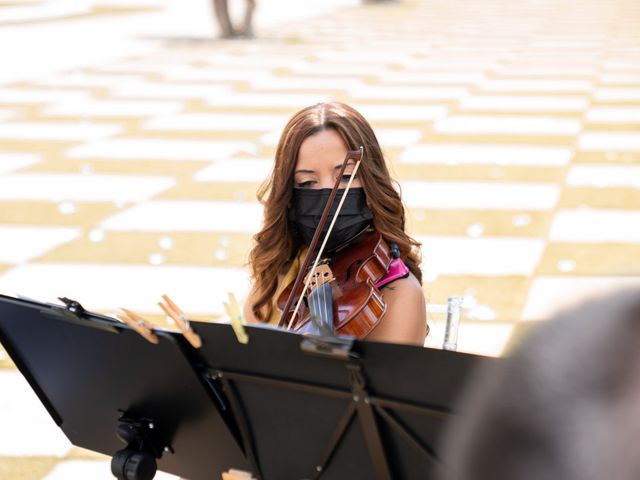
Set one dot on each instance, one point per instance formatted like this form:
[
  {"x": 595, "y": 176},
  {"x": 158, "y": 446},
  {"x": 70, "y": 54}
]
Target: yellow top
[{"x": 288, "y": 278}]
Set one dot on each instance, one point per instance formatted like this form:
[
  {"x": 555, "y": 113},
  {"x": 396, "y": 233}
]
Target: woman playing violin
[{"x": 311, "y": 151}]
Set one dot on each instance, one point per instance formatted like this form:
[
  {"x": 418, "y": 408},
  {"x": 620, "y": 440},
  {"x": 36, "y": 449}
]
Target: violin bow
[{"x": 356, "y": 155}]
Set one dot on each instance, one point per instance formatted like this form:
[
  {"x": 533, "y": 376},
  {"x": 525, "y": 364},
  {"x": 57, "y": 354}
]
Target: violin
[
  {"x": 338, "y": 294},
  {"x": 343, "y": 298}
]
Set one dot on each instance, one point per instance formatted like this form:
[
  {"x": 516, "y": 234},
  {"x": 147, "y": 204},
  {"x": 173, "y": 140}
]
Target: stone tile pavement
[{"x": 130, "y": 171}]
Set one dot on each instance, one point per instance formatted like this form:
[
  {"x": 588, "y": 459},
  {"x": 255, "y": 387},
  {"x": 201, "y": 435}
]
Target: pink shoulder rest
[{"x": 397, "y": 269}]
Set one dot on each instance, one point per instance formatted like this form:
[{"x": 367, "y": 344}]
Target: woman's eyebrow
[
  {"x": 305, "y": 171},
  {"x": 339, "y": 166}
]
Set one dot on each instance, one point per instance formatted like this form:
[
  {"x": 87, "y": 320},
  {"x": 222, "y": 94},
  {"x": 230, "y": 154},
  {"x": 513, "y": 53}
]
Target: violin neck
[{"x": 320, "y": 302}]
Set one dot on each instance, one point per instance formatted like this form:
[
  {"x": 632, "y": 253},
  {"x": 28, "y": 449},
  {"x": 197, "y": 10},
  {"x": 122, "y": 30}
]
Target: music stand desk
[
  {"x": 366, "y": 411},
  {"x": 93, "y": 374}
]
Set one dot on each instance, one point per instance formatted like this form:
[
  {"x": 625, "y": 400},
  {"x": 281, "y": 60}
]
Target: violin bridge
[{"x": 320, "y": 276}]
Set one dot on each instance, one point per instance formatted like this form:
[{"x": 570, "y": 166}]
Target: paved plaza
[{"x": 132, "y": 143}]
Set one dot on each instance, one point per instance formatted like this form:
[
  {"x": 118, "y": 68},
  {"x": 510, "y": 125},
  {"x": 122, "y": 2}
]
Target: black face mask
[{"x": 307, "y": 208}]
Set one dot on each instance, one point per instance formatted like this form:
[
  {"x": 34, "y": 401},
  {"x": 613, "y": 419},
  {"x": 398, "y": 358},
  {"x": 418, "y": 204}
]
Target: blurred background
[{"x": 134, "y": 134}]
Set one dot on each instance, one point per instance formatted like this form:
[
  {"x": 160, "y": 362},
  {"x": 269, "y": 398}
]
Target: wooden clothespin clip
[
  {"x": 234, "y": 474},
  {"x": 178, "y": 316},
  {"x": 139, "y": 324},
  {"x": 237, "y": 320}
]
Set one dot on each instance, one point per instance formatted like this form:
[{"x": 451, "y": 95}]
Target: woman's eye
[
  {"x": 347, "y": 176},
  {"x": 307, "y": 184}
]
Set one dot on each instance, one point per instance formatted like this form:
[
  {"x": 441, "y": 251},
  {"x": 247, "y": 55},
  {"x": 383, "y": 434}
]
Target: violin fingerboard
[{"x": 321, "y": 310}]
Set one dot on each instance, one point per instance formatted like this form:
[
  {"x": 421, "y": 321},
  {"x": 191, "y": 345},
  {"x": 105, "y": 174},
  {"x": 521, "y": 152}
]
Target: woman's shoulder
[
  {"x": 403, "y": 287},
  {"x": 405, "y": 320}
]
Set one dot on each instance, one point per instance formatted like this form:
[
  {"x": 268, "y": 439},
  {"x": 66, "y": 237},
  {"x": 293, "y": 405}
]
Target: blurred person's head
[{"x": 565, "y": 405}]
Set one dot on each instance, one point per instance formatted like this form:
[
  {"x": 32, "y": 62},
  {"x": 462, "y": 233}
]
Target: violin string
[
  {"x": 326, "y": 238},
  {"x": 320, "y": 300},
  {"x": 322, "y": 305},
  {"x": 327, "y": 304},
  {"x": 315, "y": 301},
  {"x": 318, "y": 303},
  {"x": 324, "y": 302}
]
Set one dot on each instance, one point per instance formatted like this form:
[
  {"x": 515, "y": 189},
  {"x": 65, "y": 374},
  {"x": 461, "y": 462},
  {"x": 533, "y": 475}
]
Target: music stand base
[
  {"x": 133, "y": 465},
  {"x": 137, "y": 461}
]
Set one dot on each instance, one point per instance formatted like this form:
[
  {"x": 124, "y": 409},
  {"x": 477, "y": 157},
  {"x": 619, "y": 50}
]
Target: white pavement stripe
[
  {"x": 57, "y": 131},
  {"x": 629, "y": 64},
  {"x": 245, "y": 122},
  {"x": 191, "y": 216},
  {"x": 93, "y": 469},
  {"x": 114, "y": 108},
  {"x": 452, "y": 66},
  {"x": 401, "y": 113},
  {"x": 20, "y": 244},
  {"x": 444, "y": 255},
  {"x": 549, "y": 295},
  {"x": 614, "y": 115},
  {"x": 545, "y": 70},
  {"x": 28, "y": 96},
  {"x": 10, "y": 162},
  {"x": 407, "y": 93},
  {"x": 398, "y": 137},
  {"x": 528, "y": 103},
  {"x": 200, "y": 91},
  {"x": 145, "y": 65},
  {"x": 258, "y": 58},
  {"x": 270, "y": 100},
  {"x": 555, "y": 55},
  {"x": 596, "y": 225},
  {"x": 619, "y": 78},
  {"x": 190, "y": 74},
  {"x": 6, "y": 114},
  {"x": 429, "y": 78},
  {"x": 42, "y": 11},
  {"x": 330, "y": 69},
  {"x": 524, "y": 85},
  {"x": 100, "y": 287},
  {"x": 76, "y": 187},
  {"x": 88, "y": 80},
  {"x": 601, "y": 176},
  {"x": 355, "y": 55},
  {"x": 302, "y": 82},
  {"x": 480, "y": 195},
  {"x": 606, "y": 141},
  {"x": 19, "y": 404},
  {"x": 160, "y": 149},
  {"x": 519, "y": 125},
  {"x": 617, "y": 94},
  {"x": 236, "y": 170},
  {"x": 453, "y": 154}
]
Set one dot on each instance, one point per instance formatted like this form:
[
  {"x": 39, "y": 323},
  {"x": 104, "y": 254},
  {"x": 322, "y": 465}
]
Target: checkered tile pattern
[{"x": 512, "y": 127}]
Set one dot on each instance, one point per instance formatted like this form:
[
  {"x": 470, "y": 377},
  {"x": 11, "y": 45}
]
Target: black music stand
[
  {"x": 335, "y": 409},
  {"x": 98, "y": 378},
  {"x": 290, "y": 407}
]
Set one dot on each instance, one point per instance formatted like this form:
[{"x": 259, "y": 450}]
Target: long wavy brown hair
[{"x": 276, "y": 245}]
